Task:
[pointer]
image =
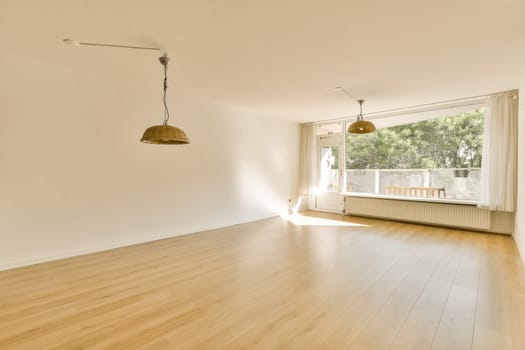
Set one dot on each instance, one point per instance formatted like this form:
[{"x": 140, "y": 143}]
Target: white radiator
[{"x": 464, "y": 216}]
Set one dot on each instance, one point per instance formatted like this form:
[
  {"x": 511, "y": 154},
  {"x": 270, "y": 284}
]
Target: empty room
[{"x": 262, "y": 175}]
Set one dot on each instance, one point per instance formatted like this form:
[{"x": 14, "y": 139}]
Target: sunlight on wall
[
  {"x": 297, "y": 205},
  {"x": 253, "y": 182}
]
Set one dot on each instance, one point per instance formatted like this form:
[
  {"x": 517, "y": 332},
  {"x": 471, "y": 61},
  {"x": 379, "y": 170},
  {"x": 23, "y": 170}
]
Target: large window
[{"x": 438, "y": 158}]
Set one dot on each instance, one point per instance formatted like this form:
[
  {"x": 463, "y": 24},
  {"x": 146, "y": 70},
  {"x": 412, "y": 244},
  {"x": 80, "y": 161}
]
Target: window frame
[{"x": 398, "y": 117}]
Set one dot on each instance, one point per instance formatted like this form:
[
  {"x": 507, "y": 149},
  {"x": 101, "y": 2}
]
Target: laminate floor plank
[
  {"x": 456, "y": 326},
  {"x": 418, "y": 329}
]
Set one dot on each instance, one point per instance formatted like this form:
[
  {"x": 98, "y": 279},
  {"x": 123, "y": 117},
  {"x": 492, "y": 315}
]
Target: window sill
[{"x": 413, "y": 199}]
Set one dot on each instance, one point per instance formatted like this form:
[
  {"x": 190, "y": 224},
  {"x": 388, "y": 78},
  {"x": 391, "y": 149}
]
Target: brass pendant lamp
[
  {"x": 361, "y": 126},
  {"x": 165, "y": 134}
]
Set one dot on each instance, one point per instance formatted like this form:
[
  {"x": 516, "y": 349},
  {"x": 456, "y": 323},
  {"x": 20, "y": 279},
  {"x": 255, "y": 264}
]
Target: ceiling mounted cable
[{"x": 72, "y": 42}]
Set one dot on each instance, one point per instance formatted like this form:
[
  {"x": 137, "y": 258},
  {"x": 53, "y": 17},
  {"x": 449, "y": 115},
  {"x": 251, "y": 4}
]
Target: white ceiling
[{"x": 283, "y": 58}]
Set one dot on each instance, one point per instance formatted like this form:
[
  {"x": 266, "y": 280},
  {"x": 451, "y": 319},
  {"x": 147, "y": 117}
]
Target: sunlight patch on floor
[{"x": 304, "y": 220}]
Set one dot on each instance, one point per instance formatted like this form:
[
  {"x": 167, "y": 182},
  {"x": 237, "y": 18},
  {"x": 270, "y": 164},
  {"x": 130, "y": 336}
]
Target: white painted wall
[
  {"x": 519, "y": 230},
  {"x": 74, "y": 177}
]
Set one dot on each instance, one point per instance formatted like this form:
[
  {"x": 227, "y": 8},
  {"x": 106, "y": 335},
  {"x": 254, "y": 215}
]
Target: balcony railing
[{"x": 460, "y": 184}]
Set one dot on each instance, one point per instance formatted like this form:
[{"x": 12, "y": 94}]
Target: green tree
[{"x": 451, "y": 142}]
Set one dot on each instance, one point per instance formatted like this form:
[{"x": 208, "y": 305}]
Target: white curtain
[
  {"x": 500, "y": 146},
  {"x": 307, "y": 169}
]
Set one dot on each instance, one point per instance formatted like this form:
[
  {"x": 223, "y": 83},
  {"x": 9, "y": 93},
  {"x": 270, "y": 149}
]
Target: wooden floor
[{"x": 310, "y": 282}]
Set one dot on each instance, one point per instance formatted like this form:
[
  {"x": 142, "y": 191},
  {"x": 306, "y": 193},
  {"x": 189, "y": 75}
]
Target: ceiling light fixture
[
  {"x": 158, "y": 134},
  {"x": 165, "y": 134},
  {"x": 360, "y": 126}
]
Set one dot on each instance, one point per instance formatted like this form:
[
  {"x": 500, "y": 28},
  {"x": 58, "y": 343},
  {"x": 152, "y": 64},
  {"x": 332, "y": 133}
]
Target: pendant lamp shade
[
  {"x": 361, "y": 126},
  {"x": 165, "y": 134}
]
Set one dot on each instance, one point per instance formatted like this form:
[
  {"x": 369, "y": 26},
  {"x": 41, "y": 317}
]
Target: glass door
[
  {"x": 330, "y": 172},
  {"x": 329, "y": 169}
]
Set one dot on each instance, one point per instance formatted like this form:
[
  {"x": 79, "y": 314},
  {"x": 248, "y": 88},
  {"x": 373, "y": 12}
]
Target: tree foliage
[{"x": 451, "y": 142}]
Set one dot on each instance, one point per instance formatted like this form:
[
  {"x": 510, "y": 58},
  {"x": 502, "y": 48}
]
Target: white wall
[
  {"x": 74, "y": 177},
  {"x": 519, "y": 230}
]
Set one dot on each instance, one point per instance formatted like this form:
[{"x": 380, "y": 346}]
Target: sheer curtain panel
[
  {"x": 307, "y": 174},
  {"x": 500, "y": 146}
]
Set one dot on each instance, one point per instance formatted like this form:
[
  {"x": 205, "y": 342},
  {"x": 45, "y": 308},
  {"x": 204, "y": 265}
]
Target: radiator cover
[{"x": 443, "y": 214}]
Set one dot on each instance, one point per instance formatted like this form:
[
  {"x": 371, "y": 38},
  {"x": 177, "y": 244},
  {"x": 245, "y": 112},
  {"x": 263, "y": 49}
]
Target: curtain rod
[{"x": 397, "y": 111}]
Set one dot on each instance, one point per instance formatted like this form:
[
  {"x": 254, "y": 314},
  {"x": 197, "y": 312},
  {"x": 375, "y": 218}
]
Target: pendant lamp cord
[
  {"x": 360, "y": 116},
  {"x": 166, "y": 111}
]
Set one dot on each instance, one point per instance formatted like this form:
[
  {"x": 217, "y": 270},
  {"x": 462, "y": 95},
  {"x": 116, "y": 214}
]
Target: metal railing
[{"x": 461, "y": 184}]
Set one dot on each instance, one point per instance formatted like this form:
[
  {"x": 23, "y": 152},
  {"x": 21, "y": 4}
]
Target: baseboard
[{"x": 119, "y": 244}]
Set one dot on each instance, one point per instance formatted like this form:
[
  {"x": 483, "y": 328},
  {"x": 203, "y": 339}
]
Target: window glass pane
[
  {"x": 329, "y": 169},
  {"x": 439, "y": 158},
  {"x": 362, "y": 181}
]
